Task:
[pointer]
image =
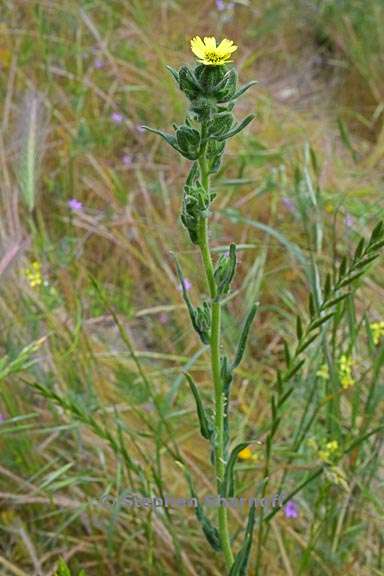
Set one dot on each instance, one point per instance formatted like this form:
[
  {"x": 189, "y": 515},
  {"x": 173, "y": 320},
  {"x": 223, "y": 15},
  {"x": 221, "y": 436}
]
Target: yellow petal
[
  {"x": 226, "y": 47},
  {"x": 198, "y": 47},
  {"x": 210, "y": 42}
]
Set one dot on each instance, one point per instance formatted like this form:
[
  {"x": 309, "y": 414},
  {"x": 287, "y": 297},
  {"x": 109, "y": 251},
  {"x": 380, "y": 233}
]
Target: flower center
[{"x": 213, "y": 57}]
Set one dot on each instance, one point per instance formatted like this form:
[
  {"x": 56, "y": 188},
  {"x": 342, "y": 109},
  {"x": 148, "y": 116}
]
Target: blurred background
[{"x": 94, "y": 335}]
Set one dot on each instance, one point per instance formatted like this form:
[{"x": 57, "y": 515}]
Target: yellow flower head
[
  {"x": 210, "y": 54},
  {"x": 323, "y": 372},
  {"x": 345, "y": 372},
  {"x": 377, "y": 332},
  {"x": 247, "y": 454},
  {"x": 329, "y": 452},
  {"x": 34, "y": 275}
]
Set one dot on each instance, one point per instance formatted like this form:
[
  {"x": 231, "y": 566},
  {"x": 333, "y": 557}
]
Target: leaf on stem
[
  {"x": 206, "y": 427},
  {"x": 244, "y": 335},
  {"x": 239, "y": 567}
]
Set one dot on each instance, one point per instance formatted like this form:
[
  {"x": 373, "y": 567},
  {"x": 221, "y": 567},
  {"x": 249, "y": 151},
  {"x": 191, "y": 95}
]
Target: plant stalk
[{"x": 216, "y": 368}]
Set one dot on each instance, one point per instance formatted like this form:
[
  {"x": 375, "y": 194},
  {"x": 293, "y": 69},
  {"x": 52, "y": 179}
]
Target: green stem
[{"x": 216, "y": 368}]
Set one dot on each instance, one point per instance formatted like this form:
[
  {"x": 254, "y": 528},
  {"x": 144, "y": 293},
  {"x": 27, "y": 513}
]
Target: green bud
[
  {"x": 188, "y": 83},
  {"x": 214, "y": 152},
  {"x": 227, "y": 87},
  {"x": 188, "y": 140},
  {"x": 225, "y": 271},
  {"x": 202, "y": 322},
  {"x": 209, "y": 77},
  {"x": 195, "y": 205},
  {"x": 203, "y": 107},
  {"x": 220, "y": 124}
]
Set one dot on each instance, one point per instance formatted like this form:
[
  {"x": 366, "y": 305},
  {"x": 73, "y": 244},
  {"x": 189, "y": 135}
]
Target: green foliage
[{"x": 63, "y": 570}]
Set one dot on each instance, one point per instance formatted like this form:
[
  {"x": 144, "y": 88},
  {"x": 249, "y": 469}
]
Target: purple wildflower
[
  {"x": 127, "y": 160},
  {"x": 140, "y": 129},
  {"x": 222, "y": 6},
  {"x": 349, "y": 220},
  {"x": 288, "y": 204},
  {"x": 2, "y": 417},
  {"x": 163, "y": 318},
  {"x": 117, "y": 118},
  {"x": 291, "y": 509},
  {"x": 187, "y": 285},
  {"x": 98, "y": 63},
  {"x": 75, "y": 205}
]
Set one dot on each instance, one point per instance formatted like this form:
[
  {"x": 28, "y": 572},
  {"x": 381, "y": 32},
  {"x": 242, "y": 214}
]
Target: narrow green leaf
[
  {"x": 334, "y": 301},
  {"x": 377, "y": 232},
  {"x": 227, "y": 489},
  {"x": 293, "y": 370},
  {"x": 210, "y": 532},
  {"x": 306, "y": 343},
  {"x": 351, "y": 279},
  {"x": 174, "y": 72},
  {"x": 311, "y": 306},
  {"x": 244, "y": 335},
  {"x": 320, "y": 321},
  {"x": 206, "y": 427},
  {"x": 299, "y": 328},
  {"x": 343, "y": 267},
  {"x": 287, "y": 354},
  {"x": 239, "y": 567},
  {"x": 376, "y": 246},
  {"x": 238, "y": 128},
  {"x": 366, "y": 261},
  {"x": 284, "y": 398},
  {"x": 169, "y": 138},
  {"x": 359, "y": 250},
  {"x": 243, "y": 89},
  {"x": 327, "y": 286}
]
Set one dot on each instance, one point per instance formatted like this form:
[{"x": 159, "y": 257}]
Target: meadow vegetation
[{"x": 95, "y": 337}]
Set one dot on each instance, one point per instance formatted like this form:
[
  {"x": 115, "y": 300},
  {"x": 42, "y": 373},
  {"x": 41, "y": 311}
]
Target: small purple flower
[
  {"x": 98, "y": 63},
  {"x": 127, "y": 160},
  {"x": 221, "y": 5},
  {"x": 291, "y": 509},
  {"x": 75, "y": 205},
  {"x": 349, "y": 220},
  {"x": 140, "y": 129},
  {"x": 163, "y": 318},
  {"x": 288, "y": 204},
  {"x": 117, "y": 118},
  {"x": 187, "y": 285}
]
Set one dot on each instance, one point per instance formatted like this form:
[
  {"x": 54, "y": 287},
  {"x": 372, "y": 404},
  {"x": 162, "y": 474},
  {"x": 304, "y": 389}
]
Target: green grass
[{"x": 100, "y": 405}]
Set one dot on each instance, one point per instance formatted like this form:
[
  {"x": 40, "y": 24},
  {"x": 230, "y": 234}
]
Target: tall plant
[{"x": 212, "y": 90}]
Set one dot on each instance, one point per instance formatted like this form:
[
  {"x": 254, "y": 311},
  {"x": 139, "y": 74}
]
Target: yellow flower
[
  {"x": 33, "y": 274},
  {"x": 247, "y": 454},
  {"x": 345, "y": 373},
  {"x": 210, "y": 54},
  {"x": 377, "y": 332},
  {"x": 323, "y": 372},
  {"x": 329, "y": 451}
]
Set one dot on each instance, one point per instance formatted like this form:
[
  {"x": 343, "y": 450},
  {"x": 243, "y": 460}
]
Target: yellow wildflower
[
  {"x": 33, "y": 274},
  {"x": 345, "y": 373},
  {"x": 210, "y": 54},
  {"x": 377, "y": 332},
  {"x": 329, "y": 451},
  {"x": 323, "y": 372},
  {"x": 247, "y": 454}
]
